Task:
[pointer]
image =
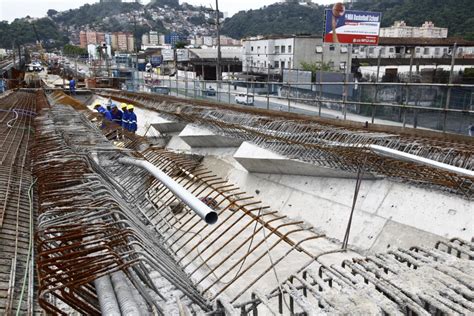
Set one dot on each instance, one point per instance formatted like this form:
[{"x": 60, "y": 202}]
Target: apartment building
[
  {"x": 401, "y": 29},
  {"x": 272, "y": 54}
]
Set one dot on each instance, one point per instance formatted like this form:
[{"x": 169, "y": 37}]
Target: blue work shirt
[
  {"x": 101, "y": 110},
  {"x": 132, "y": 122},
  {"x": 117, "y": 117},
  {"x": 125, "y": 118},
  {"x": 108, "y": 115}
]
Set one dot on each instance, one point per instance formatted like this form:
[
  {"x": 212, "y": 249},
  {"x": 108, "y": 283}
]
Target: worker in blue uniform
[
  {"x": 124, "y": 116},
  {"x": 116, "y": 114},
  {"x": 132, "y": 119},
  {"x": 72, "y": 86},
  {"x": 107, "y": 116}
]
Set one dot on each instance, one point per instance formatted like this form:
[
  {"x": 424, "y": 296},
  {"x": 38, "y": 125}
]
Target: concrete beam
[
  {"x": 200, "y": 137},
  {"x": 165, "y": 126},
  {"x": 259, "y": 160}
]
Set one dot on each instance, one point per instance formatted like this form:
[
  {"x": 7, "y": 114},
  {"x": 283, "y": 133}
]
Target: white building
[
  {"x": 154, "y": 38},
  {"x": 276, "y": 53},
  {"x": 427, "y": 30}
]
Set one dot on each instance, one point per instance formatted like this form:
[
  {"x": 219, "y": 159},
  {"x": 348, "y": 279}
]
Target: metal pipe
[
  {"x": 417, "y": 159},
  {"x": 201, "y": 209}
]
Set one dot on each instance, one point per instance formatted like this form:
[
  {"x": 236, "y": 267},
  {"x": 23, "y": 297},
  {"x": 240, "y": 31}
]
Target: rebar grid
[
  {"x": 83, "y": 219},
  {"x": 418, "y": 281},
  {"x": 17, "y": 201},
  {"x": 321, "y": 143},
  {"x": 225, "y": 258}
]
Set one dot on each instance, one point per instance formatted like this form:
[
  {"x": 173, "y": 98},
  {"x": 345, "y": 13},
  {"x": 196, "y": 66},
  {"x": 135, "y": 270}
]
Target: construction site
[{"x": 219, "y": 209}]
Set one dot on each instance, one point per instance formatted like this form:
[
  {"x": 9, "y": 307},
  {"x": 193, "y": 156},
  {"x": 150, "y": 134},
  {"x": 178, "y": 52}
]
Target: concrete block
[
  {"x": 165, "y": 126},
  {"x": 200, "y": 137}
]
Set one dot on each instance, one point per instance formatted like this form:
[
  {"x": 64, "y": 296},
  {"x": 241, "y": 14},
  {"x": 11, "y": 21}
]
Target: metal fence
[{"x": 444, "y": 107}]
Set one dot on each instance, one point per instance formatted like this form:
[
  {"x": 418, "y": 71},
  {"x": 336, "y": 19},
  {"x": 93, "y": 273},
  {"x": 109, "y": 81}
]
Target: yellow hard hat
[
  {"x": 130, "y": 107},
  {"x": 123, "y": 105},
  {"x": 97, "y": 104}
]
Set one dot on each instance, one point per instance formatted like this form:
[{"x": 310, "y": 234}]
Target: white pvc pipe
[
  {"x": 201, "y": 209},
  {"x": 424, "y": 161}
]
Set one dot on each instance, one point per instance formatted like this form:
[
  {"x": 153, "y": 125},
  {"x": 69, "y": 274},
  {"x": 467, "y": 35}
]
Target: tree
[
  {"x": 180, "y": 45},
  {"x": 51, "y": 13},
  {"x": 72, "y": 50}
]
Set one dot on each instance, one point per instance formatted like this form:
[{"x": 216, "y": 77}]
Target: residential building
[
  {"x": 154, "y": 38},
  {"x": 391, "y": 47},
  {"x": 123, "y": 42},
  {"x": 272, "y": 54},
  {"x": 146, "y": 39},
  {"x": 91, "y": 37},
  {"x": 83, "y": 39},
  {"x": 173, "y": 38},
  {"x": 427, "y": 30}
]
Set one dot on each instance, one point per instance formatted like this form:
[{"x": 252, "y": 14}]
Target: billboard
[
  {"x": 351, "y": 27},
  {"x": 168, "y": 54}
]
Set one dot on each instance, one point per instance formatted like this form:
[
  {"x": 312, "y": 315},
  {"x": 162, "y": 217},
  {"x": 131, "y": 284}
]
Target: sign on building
[
  {"x": 168, "y": 54},
  {"x": 182, "y": 54},
  {"x": 351, "y": 27}
]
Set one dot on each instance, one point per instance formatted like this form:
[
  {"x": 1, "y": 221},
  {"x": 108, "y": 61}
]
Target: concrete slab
[
  {"x": 387, "y": 212},
  {"x": 200, "y": 137},
  {"x": 165, "y": 126},
  {"x": 260, "y": 160}
]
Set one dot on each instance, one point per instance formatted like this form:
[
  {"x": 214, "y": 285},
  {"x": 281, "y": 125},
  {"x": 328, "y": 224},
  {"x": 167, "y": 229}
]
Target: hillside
[{"x": 285, "y": 18}]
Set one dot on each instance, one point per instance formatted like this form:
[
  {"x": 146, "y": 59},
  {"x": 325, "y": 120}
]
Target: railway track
[
  {"x": 5, "y": 63},
  {"x": 16, "y": 204}
]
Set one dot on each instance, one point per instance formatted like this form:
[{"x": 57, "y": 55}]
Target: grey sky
[{"x": 11, "y": 9}]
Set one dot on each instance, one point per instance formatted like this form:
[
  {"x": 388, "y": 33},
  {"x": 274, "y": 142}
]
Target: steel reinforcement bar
[{"x": 321, "y": 143}]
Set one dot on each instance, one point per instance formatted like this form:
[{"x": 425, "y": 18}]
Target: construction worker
[
  {"x": 105, "y": 113},
  {"x": 116, "y": 114},
  {"x": 72, "y": 86},
  {"x": 124, "y": 116},
  {"x": 132, "y": 119}
]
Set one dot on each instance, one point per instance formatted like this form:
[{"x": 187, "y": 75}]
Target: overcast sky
[{"x": 11, "y": 9}]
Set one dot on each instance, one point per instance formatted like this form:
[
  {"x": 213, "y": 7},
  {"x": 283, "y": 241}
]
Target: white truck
[{"x": 243, "y": 98}]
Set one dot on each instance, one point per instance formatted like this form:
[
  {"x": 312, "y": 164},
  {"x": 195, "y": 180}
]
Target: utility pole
[{"x": 218, "y": 66}]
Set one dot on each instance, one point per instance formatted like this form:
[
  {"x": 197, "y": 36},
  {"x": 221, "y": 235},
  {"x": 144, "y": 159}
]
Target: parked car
[
  {"x": 244, "y": 99},
  {"x": 210, "y": 92}
]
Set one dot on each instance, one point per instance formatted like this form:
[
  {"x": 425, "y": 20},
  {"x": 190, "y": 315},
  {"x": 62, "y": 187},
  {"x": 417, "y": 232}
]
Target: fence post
[
  {"x": 268, "y": 87},
  {"x": 448, "y": 96},
  {"x": 374, "y": 108},
  {"x": 346, "y": 80}
]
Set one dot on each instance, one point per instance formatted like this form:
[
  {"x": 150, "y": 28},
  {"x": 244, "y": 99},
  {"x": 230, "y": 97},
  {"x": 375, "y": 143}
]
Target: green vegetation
[
  {"x": 456, "y": 15},
  {"x": 21, "y": 32},
  {"x": 94, "y": 13},
  {"x": 280, "y": 18},
  {"x": 291, "y": 18},
  {"x": 314, "y": 67},
  {"x": 72, "y": 50}
]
